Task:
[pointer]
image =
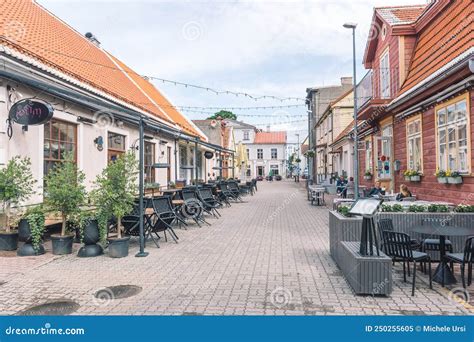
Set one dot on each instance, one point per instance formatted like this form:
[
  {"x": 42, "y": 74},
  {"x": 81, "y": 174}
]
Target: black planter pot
[
  {"x": 118, "y": 248},
  {"x": 27, "y": 250},
  {"x": 8, "y": 241},
  {"x": 91, "y": 237},
  {"x": 62, "y": 244},
  {"x": 24, "y": 232}
]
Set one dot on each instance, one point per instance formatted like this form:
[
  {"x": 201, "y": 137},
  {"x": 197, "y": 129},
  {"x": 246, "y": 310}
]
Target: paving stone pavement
[{"x": 267, "y": 256}]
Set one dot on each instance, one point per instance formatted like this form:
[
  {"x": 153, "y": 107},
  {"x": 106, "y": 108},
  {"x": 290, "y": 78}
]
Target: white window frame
[
  {"x": 385, "y": 91},
  {"x": 445, "y": 162},
  {"x": 259, "y": 153},
  {"x": 414, "y": 162},
  {"x": 246, "y": 135},
  {"x": 272, "y": 155}
]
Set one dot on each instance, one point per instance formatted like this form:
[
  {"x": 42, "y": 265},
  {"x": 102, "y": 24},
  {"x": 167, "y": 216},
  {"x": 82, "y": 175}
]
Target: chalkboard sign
[{"x": 31, "y": 112}]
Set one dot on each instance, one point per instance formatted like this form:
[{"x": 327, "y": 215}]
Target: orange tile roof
[
  {"x": 444, "y": 39},
  {"x": 270, "y": 138},
  {"x": 400, "y": 15},
  {"x": 30, "y": 29}
]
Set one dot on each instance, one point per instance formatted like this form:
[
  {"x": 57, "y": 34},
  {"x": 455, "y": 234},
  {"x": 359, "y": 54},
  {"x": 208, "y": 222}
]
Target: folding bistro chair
[
  {"x": 210, "y": 204},
  {"x": 193, "y": 207},
  {"x": 164, "y": 217}
]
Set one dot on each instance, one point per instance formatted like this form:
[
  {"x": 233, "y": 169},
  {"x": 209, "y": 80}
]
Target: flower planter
[
  {"x": 454, "y": 180},
  {"x": 8, "y": 241},
  {"x": 90, "y": 239},
  {"x": 408, "y": 178},
  {"x": 62, "y": 244},
  {"x": 24, "y": 235},
  {"x": 416, "y": 178},
  {"x": 367, "y": 178},
  {"x": 342, "y": 228},
  {"x": 118, "y": 248},
  {"x": 443, "y": 180}
]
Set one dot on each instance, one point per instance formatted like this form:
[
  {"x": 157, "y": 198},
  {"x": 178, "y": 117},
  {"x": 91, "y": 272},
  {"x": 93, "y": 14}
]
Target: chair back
[
  {"x": 205, "y": 193},
  {"x": 189, "y": 194},
  {"x": 397, "y": 245},
  {"x": 162, "y": 204},
  {"x": 385, "y": 224},
  {"x": 469, "y": 250}
]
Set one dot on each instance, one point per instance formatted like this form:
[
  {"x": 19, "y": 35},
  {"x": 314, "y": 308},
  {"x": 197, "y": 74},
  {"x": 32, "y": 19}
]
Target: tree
[
  {"x": 16, "y": 184},
  {"x": 116, "y": 189},
  {"x": 223, "y": 114},
  {"x": 65, "y": 190}
]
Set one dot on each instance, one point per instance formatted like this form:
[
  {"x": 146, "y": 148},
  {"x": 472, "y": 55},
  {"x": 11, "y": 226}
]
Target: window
[
  {"x": 368, "y": 156},
  {"x": 259, "y": 153},
  {"x": 59, "y": 138},
  {"x": 116, "y": 145},
  {"x": 199, "y": 165},
  {"x": 452, "y": 133},
  {"x": 248, "y": 153},
  {"x": 274, "y": 170},
  {"x": 384, "y": 153},
  {"x": 385, "y": 76},
  {"x": 149, "y": 160},
  {"x": 414, "y": 145},
  {"x": 246, "y": 135},
  {"x": 183, "y": 161},
  {"x": 274, "y": 153}
]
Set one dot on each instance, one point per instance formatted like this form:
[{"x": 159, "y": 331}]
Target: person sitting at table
[
  {"x": 341, "y": 186},
  {"x": 404, "y": 193},
  {"x": 377, "y": 190}
]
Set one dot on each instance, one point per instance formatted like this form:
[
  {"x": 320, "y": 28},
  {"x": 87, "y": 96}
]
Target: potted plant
[
  {"x": 16, "y": 185},
  {"x": 171, "y": 185},
  {"x": 407, "y": 175},
  {"x": 441, "y": 175},
  {"x": 31, "y": 229},
  {"x": 309, "y": 154},
  {"x": 91, "y": 232},
  {"x": 454, "y": 177},
  {"x": 368, "y": 175},
  {"x": 65, "y": 193},
  {"x": 298, "y": 160},
  {"x": 114, "y": 196}
]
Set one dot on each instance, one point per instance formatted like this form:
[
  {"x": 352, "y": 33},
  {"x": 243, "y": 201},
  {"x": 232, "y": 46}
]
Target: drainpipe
[{"x": 233, "y": 166}]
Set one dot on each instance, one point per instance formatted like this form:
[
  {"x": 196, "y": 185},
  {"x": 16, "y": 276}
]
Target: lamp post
[{"x": 353, "y": 26}]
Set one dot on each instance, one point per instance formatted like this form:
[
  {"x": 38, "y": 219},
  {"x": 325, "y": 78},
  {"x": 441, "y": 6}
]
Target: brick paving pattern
[{"x": 267, "y": 256}]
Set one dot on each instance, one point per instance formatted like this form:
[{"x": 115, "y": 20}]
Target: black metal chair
[
  {"x": 210, "y": 204},
  {"x": 193, "y": 207},
  {"x": 432, "y": 244},
  {"x": 234, "y": 188},
  {"x": 398, "y": 247},
  {"x": 387, "y": 224},
  {"x": 131, "y": 222},
  {"x": 163, "y": 217},
  {"x": 228, "y": 193},
  {"x": 463, "y": 259}
]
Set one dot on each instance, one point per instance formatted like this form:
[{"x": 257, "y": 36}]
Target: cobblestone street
[{"x": 267, "y": 256}]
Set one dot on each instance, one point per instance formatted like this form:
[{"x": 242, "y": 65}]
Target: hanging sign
[
  {"x": 208, "y": 154},
  {"x": 31, "y": 112}
]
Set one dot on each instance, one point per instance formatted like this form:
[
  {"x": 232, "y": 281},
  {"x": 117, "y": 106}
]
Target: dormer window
[{"x": 385, "y": 76}]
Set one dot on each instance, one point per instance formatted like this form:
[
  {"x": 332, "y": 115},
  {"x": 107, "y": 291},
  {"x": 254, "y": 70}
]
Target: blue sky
[{"x": 260, "y": 47}]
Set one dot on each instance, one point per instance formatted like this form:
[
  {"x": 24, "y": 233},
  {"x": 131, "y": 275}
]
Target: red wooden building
[{"x": 417, "y": 99}]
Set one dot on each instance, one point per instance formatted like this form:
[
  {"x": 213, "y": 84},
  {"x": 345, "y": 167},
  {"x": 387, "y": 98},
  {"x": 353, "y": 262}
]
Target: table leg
[{"x": 443, "y": 268}]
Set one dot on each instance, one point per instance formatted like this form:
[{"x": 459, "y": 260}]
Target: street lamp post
[
  {"x": 353, "y": 26},
  {"x": 298, "y": 157}
]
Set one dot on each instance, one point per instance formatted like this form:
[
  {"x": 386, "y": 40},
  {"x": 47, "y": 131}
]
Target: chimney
[
  {"x": 346, "y": 80},
  {"x": 92, "y": 38}
]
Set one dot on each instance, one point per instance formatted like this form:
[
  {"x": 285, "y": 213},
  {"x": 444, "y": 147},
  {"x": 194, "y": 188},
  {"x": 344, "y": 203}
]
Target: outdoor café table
[
  {"x": 171, "y": 192},
  {"x": 442, "y": 232}
]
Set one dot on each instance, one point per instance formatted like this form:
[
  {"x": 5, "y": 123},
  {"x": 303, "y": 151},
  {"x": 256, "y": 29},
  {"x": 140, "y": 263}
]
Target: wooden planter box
[
  {"x": 367, "y": 275},
  {"x": 342, "y": 228}
]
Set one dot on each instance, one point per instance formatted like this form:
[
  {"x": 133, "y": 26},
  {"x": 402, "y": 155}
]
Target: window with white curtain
[
  {"x": 453, "y": 137},
  {"x": 414, "y": 145}
]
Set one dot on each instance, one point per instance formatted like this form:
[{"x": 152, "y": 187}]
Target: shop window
[
  {"x": 452, "y": 135},
  {"x": 384, "y": 153},
  {"x": 60, "y": 138},
  {"x": 274, "y": 170},
  {"x": 183, "y": 161},
  {"x": 368, "y": 156}
]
